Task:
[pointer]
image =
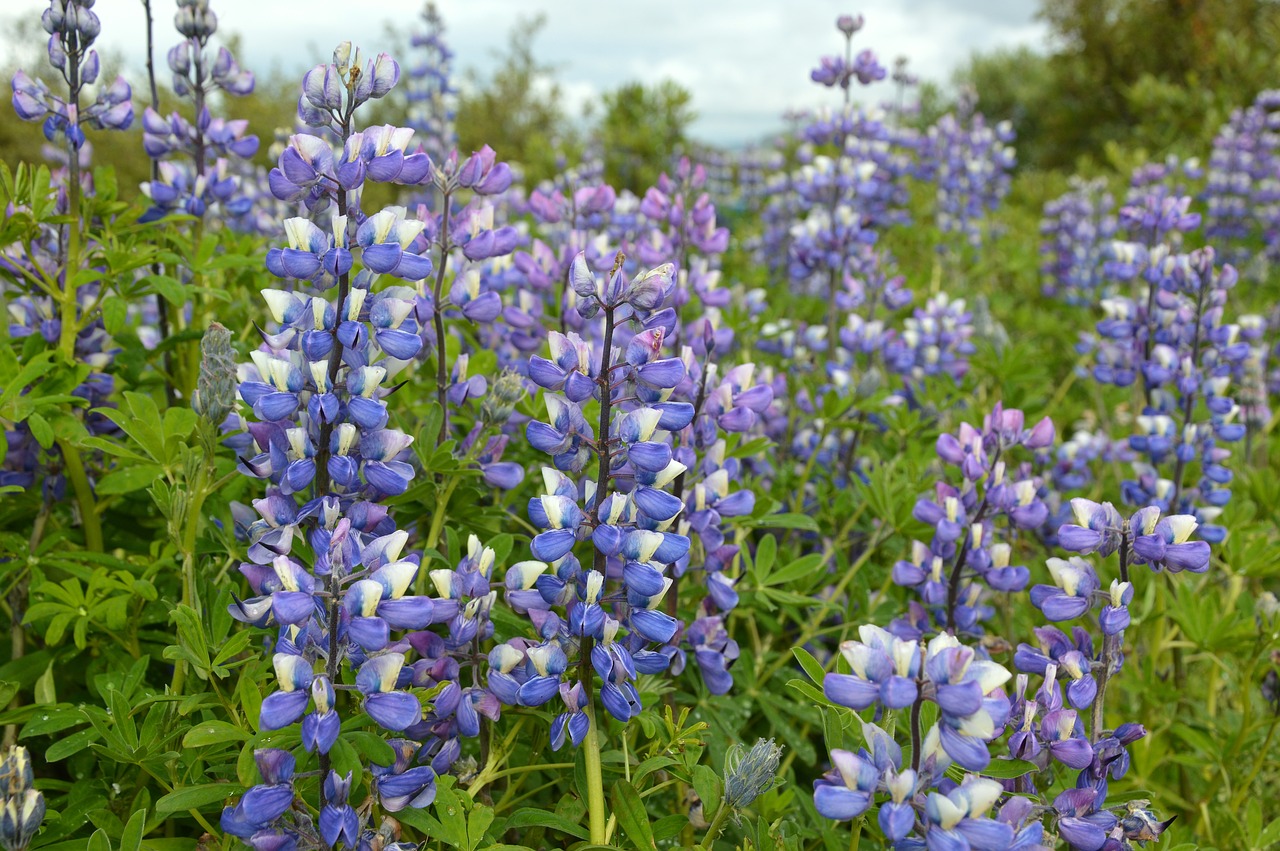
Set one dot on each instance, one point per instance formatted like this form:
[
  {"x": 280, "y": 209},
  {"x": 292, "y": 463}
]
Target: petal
[{"x": 396, "y": 710}]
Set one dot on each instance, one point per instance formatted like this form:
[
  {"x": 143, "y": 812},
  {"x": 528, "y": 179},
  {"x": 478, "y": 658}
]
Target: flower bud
[
  {"x": 748, "y": 774},
  {"x": 215, "y": 394}
]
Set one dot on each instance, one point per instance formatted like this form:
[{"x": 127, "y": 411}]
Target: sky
[{"x": 745, "y": 61}]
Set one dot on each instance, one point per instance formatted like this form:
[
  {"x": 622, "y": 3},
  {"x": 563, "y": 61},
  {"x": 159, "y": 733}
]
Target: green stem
[
  {"x": 595, "y": 779},
  {"x": 73, "y": 466},
  {"x": 69, "y": 307},
  {"x": 855, "y": 838},
  {"x": 717, "y": 824}
]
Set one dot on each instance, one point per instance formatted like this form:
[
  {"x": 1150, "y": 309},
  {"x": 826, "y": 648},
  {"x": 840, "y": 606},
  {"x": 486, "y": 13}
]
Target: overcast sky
[{"x": 745, "y": 61}]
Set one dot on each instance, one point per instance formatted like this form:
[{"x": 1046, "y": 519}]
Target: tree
[
  {"x": 641, "y": 129},
  {"x": 517, "y": 110},
  {"x": 1161, "y": 74}
]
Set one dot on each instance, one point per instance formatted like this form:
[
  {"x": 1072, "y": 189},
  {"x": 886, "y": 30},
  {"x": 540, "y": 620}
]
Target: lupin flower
[
  {"x": 885, "y": 669},
  {"x": 848, "y": 789},
  {"x": 205, "y": 142},
  {"x": 317, "y": 388},
  {"x": 1071, "y": 594},
  {"x": 22, "y": 807},
  {"x": 258, "y": 810},
  {"x": 73, "y": 27}
]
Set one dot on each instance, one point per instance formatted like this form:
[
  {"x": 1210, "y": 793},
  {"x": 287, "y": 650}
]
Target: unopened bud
[
  {"x": 748, "y": 774},
  {"x": 215, "y": 394}
]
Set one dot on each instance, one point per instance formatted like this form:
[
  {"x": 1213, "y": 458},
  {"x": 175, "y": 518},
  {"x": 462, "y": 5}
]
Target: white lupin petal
[
  {"x": 382, "y": 223},
  {"x": 1083, "y": 511},
  {"x": 355, "y": 303},
  {"x": 348, "y": 436},
  {"x": 284, "y": 572},
  {"x": 982, "y": 793},
  {"x": 669, "y": 474},
  {"x": 856, "y": 654},
  {"x": 989, "y": 675},
  {"x": 901, "y": 785},
  {"x": 528, "y": 572},
  {"x": 940, "y": 642},
  {"x": 399, "y": 309},
  {"x": 617, "y": 505},
  {"x": 279, "y": 302},
  {"x": 648, "y": 543},
  {"x": 391, "y": 672},
  {"x": 320, "y": 375},
  {"x": 595, "y": 585},
  {"x": 399, "y": 575},
  {"x": 298, "y": 232},
  {"x": 949, "y": 813},
  {"x": 442, "y": 579},
  {"x": 1182, "y": 525},
  {"x": 508, "y": 657},
  {"x": 979, "y": 725},
  {"x": 646, "y": 420},
  {"x": 551, "y": 505},
  {"x": 408, "y": 231},
  {"x": 903, "y": 652},
  {"x": 369, "y": 594},
  {"x": 657, "y": 598},
  {"x": 1000, "y": 555},
  {"x": 297, "y": 442},
  {"x": 718, "y": 482},
  {"x": 284, "y": 664}
]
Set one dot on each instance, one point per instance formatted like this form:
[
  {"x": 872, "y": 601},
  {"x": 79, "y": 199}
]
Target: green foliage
[
  {"x": 517, "y": 111},
  {"x": 642, "y": 128},
  {"x": 1163, "y": 76}
]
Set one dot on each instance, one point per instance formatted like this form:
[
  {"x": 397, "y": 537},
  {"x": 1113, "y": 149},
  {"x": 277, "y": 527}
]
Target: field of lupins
[{"x": 818, "y": 498}]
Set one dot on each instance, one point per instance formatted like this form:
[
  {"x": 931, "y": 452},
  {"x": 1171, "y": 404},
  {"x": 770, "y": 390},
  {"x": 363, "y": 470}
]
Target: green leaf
[
  {"x": 74, "y": 743},
  {"x": 811, "y": 666},
  {"x": 668, "y": 827},
  {"x": 766, "y": 552},
  {"x": 783, "y": 521},
  {"x": 650, "y": 765},
  {"x": 709, "y": 788},
  {"x": 530, "y": 817},
  {"x": 99, "y": 841},
  {"x": 131, "y": 839},
  {"x": 803, "y": 567},
  {"x": 129, "y": 479},
  {"x": 213, "y": 733},
  {"x": 453, "y": 820},
  {"x": 114, "y": 313},
  {"x": 1007, "y": 769},
  {"x": 631, "y": 814},
  {"x": 41, "y": 430},
  {"x": 195, "y": 797},
  {"x": 45, "y": 691},
  {"x": 53, "y": 721}
]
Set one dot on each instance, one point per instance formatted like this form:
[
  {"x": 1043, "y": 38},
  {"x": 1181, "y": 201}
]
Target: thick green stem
[
  {"x": 73, "y": 466},
  {"x": 717, "y": 824},
  {"x": 855, "y": 835},
  {"x": 595, "y": 779},
  {"x": 69, "y": 308}
]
